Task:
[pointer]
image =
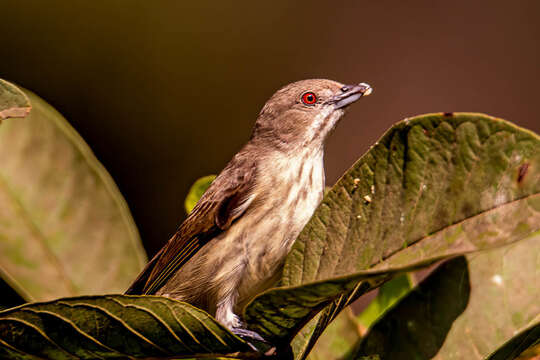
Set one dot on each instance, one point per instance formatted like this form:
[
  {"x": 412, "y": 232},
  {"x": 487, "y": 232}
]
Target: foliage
[
  {"x": 196, "y": 191},
  {"x": 468, "y": 308},
  {"x": 440, "y": 186},
  {"x": 389, "y": 294},
  {"x": 135, "y": 326},
  {"x": 62, "y": 216}
]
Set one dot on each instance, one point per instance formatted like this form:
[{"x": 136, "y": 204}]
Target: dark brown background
[{"x": 167, "y": 91}]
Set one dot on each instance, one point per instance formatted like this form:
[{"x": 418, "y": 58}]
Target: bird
[{"x": 233, "y": 244}]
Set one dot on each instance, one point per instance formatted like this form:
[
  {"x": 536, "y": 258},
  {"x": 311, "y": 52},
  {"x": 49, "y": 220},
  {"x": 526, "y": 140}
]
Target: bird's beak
[{"x": 349, "y": 94}]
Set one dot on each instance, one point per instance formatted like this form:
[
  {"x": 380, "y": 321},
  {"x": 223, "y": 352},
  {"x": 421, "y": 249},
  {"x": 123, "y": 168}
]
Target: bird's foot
[
  {"x": 261, "y": 345},
  {"x": 248, "y": 335}
]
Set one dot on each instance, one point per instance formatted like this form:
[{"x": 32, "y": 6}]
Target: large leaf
[
  {"x": 64, "y": 227},
  {"x": 13, "y": 103},
  {"x": 434, "y": 186},
  {"x": 424, "y": 175},
  {"x": 114, "y": 326},
  {"x": 466, "y": 311}
]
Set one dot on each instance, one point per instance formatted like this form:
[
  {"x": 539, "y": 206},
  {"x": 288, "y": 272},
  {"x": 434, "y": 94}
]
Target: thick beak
[{"x": 349, "y": 94}]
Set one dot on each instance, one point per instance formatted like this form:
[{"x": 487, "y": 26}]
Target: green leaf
[
  {"x": 196, "y": 191},
  {"x": 114, "y": 326},
  {"x": 338, "y": 338},
  {"x": 342, "y": 334},
  {"x": 433, "y": 187},
  {"x": 485, "y": 307},
  {"x": 13, "y": 102},
  {"x": 425, "y": 174},
  {"x": 280, "y": 312},
  {"x": 64, "y": 227},
  {"x": 389, "y": 294}
]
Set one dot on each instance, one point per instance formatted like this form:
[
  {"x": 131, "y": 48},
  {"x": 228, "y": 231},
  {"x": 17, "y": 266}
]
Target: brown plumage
[{"x": 232, "y": 245}]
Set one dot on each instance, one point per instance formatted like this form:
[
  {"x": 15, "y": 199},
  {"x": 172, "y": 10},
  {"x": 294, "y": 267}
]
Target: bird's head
[{"x": 305, "y": 112}]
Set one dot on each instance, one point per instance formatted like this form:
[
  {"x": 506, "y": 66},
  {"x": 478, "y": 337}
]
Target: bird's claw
[
  {"x": 248, "y": 335},
  {"x": 261, "y": 345}
]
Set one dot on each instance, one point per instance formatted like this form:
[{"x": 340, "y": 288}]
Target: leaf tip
[{"x": 13, "y": 101}]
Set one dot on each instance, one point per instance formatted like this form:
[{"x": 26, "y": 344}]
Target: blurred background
[{"x": 167, "y": 91}]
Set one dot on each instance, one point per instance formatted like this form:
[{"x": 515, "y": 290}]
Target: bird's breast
[
  {"x": 291, "y": 188},
  {"x": 289, "y": 191}
]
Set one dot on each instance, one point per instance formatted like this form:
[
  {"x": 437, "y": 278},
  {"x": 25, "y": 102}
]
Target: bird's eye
[{"x": 309, "y": 98}]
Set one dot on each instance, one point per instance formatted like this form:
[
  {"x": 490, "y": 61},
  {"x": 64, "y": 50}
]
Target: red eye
[{"x": 309, "y": 98}]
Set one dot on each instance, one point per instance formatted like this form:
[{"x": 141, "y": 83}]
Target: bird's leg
[
  {"x": 226, "y": 316},
  {"x": 224, "y": 311},
  {"x": 248, "y": 334}
]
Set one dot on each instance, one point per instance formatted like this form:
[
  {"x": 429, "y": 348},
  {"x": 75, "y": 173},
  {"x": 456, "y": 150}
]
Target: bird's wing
[{"x": 227, "y": 199}]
